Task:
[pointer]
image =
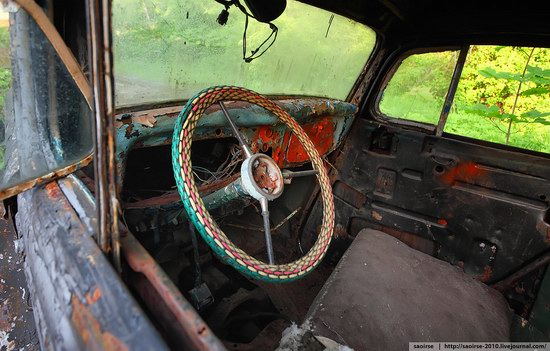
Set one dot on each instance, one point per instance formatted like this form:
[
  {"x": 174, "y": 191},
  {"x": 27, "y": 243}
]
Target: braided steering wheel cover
[{"x": 195, "y": 208}]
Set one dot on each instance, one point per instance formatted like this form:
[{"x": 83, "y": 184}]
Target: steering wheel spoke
[
  {"x": 288, "y": 175},
  {"x": 267, "y": 230},
  {"x": 242, "y": 140}
]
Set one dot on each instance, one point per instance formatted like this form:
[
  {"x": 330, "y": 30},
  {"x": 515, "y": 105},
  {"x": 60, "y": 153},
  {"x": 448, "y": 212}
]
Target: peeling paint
[
  {"x": 90, "y": 329},
  {"x": 321, "y": 134},
  {"x": 467, "y": 172},
  {"x": 94, "y": 296},
  {"x": 325, "y": 121},
  {"x": 45, "y": 178}
]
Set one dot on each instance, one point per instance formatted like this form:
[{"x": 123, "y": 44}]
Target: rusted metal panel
[
  {"x": 326, "y": 121},
  {"x": 79, "y": 302},
  {"x": 89, "y": 328},
  {"x": 197, "y": 333},
  {"x": 321, "y": 133},
  {"x": 4, "y": 194},
  {"x": 512, "y": 280},
  {"x": 101, "y": 72}
]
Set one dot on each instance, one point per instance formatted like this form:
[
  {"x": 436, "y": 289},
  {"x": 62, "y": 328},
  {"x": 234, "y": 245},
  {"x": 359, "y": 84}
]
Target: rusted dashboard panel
[{"x": 325, "y": 121}]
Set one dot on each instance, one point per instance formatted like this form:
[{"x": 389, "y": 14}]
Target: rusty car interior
[
  {"x": 435, "y": 237},
  {"x": 448, "y": 199}
]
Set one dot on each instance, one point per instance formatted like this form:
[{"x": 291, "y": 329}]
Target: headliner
[{"x": 525, "y": 22}]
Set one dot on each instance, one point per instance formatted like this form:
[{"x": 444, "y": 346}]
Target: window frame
[
  {"x": 380, "y": 116},
  {"x": 438, "y": 130}
]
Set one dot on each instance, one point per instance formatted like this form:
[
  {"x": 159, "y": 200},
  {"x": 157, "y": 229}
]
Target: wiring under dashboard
[{"x": 226, "y": 169}]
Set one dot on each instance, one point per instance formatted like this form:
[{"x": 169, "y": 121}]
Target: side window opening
[
  {"x": 417, "y": 89},
  {"x": 503, "y": 94}
]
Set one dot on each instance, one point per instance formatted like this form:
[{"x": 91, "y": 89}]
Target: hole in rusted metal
[{"x": 439, "y": 169}]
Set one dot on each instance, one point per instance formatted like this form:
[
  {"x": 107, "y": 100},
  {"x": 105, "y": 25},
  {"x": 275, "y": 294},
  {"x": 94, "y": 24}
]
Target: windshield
[{"x": 171, "y": 49}]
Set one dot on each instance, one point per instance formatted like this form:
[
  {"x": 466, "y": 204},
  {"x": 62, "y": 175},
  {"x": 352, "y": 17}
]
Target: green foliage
[
  {"x": 417, "y": 90},
  {"x": 485, "y": 101},
  {"x": 492, "y": 74},
  {"x": 536, "y": 77},
  {"x": 171, "y": 49}
]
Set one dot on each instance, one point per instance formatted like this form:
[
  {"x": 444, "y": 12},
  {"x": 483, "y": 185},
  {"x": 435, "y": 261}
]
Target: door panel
[{"x": 480, "y": 208}]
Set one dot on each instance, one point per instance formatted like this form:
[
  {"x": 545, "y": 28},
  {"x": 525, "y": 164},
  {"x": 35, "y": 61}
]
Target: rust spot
[
  {"x": 520, "y": 290},
  {"x": 340, "y": 231},
  {"x": 90, "y": 331},
  {"x": 264, "y": 178},
  {"x": 93, "y": 297},
  {"x": 130, "y": 132},
  {"x": 278, "y": 153},
  {"x": 376, "y": 215},
  {"x": 467, "y": 171},
  {"x": 45, "y": 178},
  {"x": 5, "y": 316},
  {"x": 544, "y": 228},
  {"x": 321, "y": 134},
  {"x": 486, "y": 276},
  {"x": 180, "y": 311},
  {"x": 267, "y": 136}
]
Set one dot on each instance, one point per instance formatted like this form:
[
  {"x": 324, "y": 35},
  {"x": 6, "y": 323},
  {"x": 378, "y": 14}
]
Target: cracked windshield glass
[{"x": 170, "y": 50}]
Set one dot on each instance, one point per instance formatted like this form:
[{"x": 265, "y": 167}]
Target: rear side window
[
  {"x": 417, "y": 89},
  {"x": 503, "y": 94}
]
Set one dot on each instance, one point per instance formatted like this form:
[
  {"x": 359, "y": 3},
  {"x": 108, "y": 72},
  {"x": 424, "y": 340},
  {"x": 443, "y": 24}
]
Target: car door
[
  {"x": 452, "y": 157},
  {"x": 48, "y": 133}
]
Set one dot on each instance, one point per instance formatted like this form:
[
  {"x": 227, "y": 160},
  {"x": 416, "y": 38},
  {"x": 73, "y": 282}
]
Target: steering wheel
[{"x": 261, "y": 178}]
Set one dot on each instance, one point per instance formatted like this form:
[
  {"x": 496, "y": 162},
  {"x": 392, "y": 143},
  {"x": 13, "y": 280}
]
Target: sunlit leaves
[{"x": 536, "y": 91}]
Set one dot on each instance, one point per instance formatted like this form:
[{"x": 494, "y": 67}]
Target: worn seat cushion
[{"x": 384, "y": 294}]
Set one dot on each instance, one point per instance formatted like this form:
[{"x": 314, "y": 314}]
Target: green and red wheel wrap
[{"x": 201, "y": 218}]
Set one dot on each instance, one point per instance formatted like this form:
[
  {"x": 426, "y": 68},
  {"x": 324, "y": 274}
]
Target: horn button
[{"x": 262, "y": 177}]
